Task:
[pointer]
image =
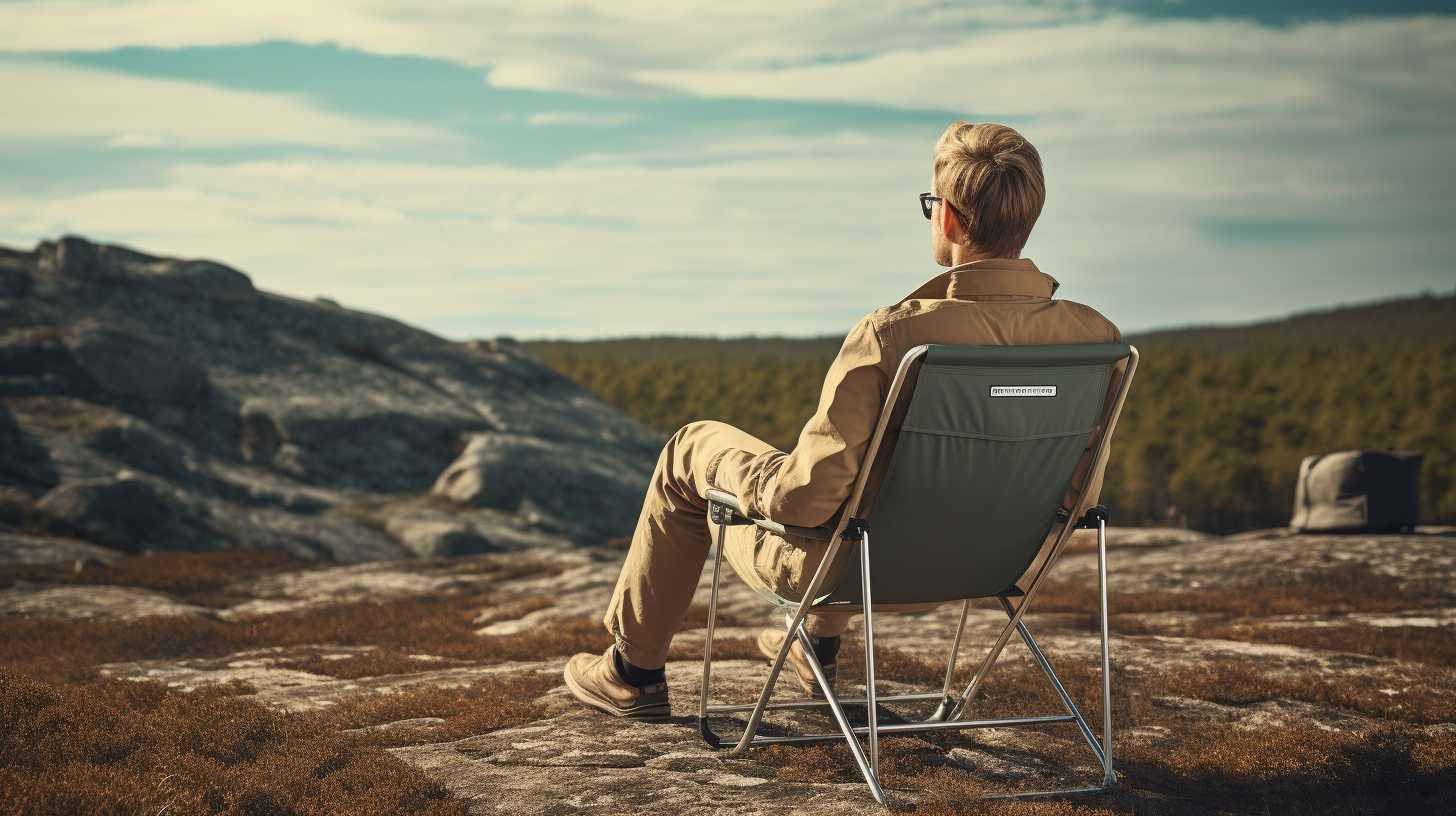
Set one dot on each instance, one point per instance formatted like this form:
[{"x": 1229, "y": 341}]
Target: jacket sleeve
[{"x": 807, "y": 486}]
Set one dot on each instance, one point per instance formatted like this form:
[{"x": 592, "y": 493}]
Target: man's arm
[{"x": 807, "y": 486}]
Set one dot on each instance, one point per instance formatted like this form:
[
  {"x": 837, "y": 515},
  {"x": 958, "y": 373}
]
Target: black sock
[
  {"x": 825, "y": 648},
  {"x": 635, "y": 675}
]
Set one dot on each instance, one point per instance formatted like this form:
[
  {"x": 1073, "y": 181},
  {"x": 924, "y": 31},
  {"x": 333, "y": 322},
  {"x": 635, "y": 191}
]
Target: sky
[{"x": 587, "y": 169}]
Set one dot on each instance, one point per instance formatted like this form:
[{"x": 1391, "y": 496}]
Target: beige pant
[{"x": 672, "y": 542}]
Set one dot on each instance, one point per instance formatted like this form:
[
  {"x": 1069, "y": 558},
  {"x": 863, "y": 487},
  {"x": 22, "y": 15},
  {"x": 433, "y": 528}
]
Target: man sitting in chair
[{"x": 987, "y": 193}]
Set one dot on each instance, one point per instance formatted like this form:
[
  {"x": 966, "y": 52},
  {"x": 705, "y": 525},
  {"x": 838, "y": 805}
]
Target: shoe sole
[{"x": 656, "y": 712}]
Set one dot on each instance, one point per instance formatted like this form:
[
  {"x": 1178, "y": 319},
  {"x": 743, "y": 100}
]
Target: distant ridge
[
  {"x": 1409, "y": 319},
  {"x": 1417, "y": 320}
]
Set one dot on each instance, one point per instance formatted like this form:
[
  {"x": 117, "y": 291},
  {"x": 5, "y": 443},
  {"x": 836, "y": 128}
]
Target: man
[{"x": 988, "y": 192}]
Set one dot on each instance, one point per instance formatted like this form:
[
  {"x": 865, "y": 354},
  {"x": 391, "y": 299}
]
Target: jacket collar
[{"x": 988, "y": 279}]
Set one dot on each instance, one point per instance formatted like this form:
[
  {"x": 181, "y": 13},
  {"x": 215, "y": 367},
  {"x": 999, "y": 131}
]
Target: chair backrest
[{"x": 985, "y": 454}]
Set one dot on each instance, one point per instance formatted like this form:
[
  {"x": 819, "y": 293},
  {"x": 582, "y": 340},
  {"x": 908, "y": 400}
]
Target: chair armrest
[
  {"x": 729, "y": 502},
  {"x": 726, "y": 499}
]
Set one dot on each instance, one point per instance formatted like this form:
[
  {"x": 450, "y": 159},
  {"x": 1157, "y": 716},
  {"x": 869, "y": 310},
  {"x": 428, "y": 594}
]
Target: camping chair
[{"x": 973, "y": 492}]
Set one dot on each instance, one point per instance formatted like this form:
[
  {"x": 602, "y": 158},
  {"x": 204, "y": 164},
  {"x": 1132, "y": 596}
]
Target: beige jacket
[{"x": 1002, "y": 301}]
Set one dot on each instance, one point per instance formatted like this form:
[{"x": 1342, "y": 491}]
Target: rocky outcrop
[{"x": 163, "y": 403}]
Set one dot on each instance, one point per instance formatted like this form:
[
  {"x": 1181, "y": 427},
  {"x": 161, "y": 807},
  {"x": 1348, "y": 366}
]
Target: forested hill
[
  {"x": 1213, "y": 434},
  {"x": 1404, "y": 322}
]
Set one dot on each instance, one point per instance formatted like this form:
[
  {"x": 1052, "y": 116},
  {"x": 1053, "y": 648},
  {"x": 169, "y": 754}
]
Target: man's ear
[{"x": 950, "y": 225}]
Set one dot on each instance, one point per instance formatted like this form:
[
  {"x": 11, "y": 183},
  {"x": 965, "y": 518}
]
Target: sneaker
[
  {"x": 769, "y": 641},
  {"x": 593, "y": 679}
]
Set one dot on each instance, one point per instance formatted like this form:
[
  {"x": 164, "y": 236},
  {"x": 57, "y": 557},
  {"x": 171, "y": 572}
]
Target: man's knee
[
  {"x": 698, "y": 429},
  {"x": 686, "y": 436}
]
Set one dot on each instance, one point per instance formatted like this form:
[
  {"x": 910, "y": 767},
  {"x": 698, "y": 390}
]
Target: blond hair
[{"x": 992, "y": 176}]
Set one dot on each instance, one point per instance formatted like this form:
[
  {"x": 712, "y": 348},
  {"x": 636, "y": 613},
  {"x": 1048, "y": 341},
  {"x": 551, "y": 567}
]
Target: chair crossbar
[
  {"x": 816, "y": 703},
  {"x": 913, "y": 727}
]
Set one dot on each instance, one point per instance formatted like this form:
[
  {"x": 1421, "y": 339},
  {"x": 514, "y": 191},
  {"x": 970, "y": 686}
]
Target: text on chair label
[{"x": 1023, "y": 390}]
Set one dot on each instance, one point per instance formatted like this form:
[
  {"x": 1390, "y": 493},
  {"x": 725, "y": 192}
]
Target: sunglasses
[{"x": 927, "y": 204}]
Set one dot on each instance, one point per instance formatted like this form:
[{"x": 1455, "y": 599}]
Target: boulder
[
  {"x": 70, "y": 258},
  {"x": 596, "y": 489},
  {"x": 24, "y": 461},
  {"x": 131, "y": 365},
  {"x": 427, "y": 537},
  {"x": 136, "y": 444},
  {"x": 124, "y": 512}
]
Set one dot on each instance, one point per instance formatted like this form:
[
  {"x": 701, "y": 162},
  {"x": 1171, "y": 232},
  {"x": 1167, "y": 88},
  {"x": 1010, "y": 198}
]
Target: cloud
[
  {"x": 1197, "y": 169},
  {"x": 44, "y": 101},
  {"x": 615, "y": 37},
  {"x": 1063, "y": 60},
  {"x": 810, "y": 230},
  {"x": 1066, "y": 64},
  {"x": 1124, "y": 72},
  {"x": 584, "y": 118}
]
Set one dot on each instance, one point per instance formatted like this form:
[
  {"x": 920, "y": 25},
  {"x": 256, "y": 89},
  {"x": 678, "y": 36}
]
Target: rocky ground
[
  {"x": 1255, "y": 673},
  {"x": 151, "y": 403}
]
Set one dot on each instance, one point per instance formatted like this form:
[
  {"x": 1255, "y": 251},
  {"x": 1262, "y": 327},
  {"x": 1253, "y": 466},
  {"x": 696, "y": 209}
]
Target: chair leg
[
  {"x": 707, "y": 733},
  {"x": 1108, "y": 777},
  {"x": 871, "y": 777},
  {"x": 947, "y": 702},
  {"x": 869, "y": 647}
]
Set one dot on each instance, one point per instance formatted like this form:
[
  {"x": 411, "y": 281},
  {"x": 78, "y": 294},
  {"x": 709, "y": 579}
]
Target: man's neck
[{"x": 963, "y": 254}]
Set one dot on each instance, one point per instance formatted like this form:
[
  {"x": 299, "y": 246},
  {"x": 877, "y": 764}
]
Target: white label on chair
[{"x": 1023, "y": 390}]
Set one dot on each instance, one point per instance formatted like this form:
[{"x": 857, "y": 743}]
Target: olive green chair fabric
[{"x": 983, "y": 459}]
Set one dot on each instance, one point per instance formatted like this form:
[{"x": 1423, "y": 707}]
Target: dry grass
[
  {"x": 1279, "y": 767},
  {"x": 75, "y": 743},
  {"x": 1421, "y": 644},
  {"x": 1017, "y": 686},
  {"x": 1241, "y": 612},
  {"x": 487, "y": 704},
  {"x": 370, "y": 663},
  {"x": 441, "y": 624},
  {"x": 107, "y": 746},
  {"x": 1285, "y": 765},
  {"x": 1417, "y": 698},
  {"x": 202, "y": 579},
  {"x": 697, "y": 618},
  {"x": 724, "y": 648},
  {"x": 1340, "y": 589},
  {"x": 515, "y": 610},
  {"x": 68, "y": 649}
]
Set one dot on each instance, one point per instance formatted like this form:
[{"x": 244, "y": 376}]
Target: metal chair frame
[{"x": 726, "y": 510}]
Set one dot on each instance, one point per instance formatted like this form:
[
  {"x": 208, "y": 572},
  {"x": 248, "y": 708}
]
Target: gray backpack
[{"x": 1358, "y": 491}]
